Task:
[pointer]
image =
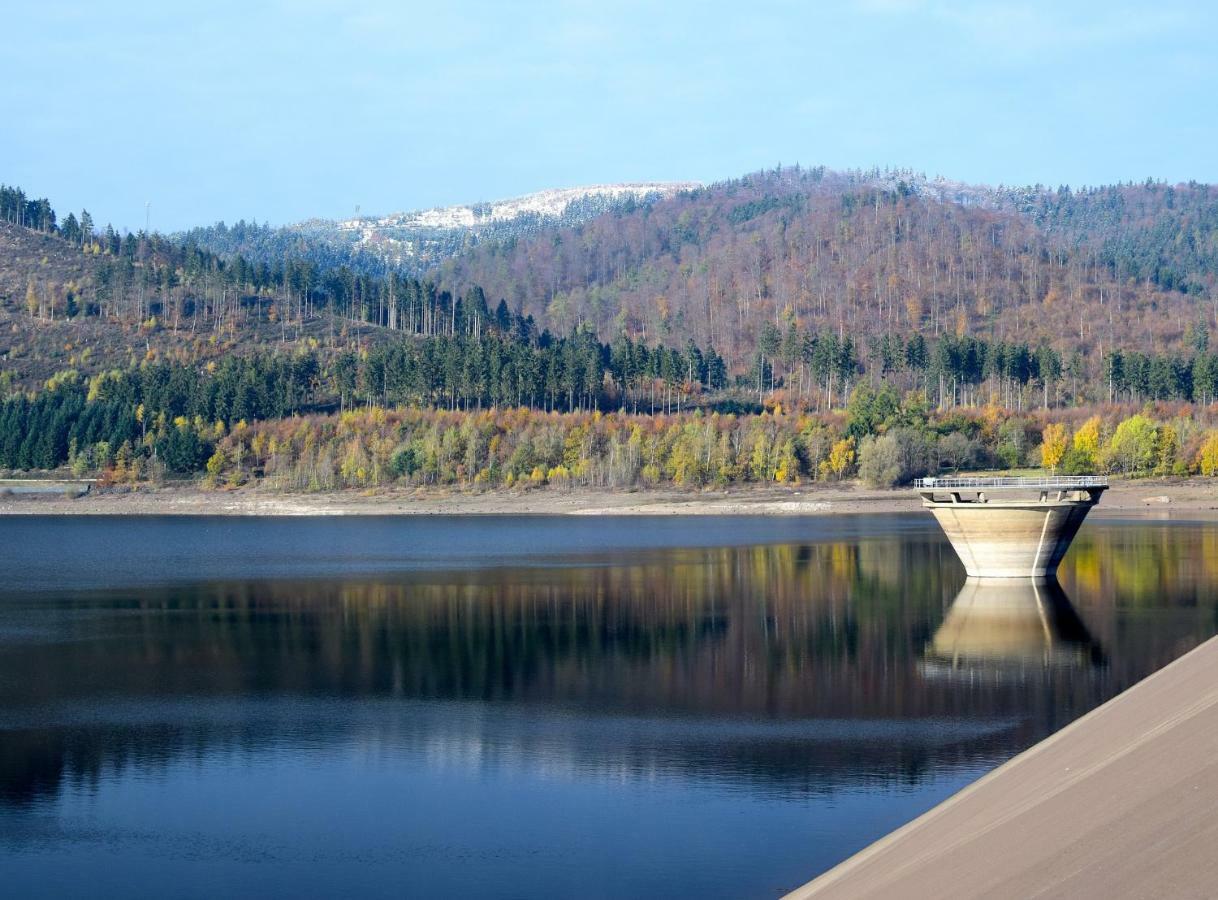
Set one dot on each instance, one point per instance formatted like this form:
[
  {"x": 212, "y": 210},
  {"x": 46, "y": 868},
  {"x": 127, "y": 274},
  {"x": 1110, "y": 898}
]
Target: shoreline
[{"x": 1166, "y": 499}]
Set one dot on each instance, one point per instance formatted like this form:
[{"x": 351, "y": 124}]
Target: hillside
[
  {"x": 62, "y": 307},
  {"x": 908, "y": 325},
  {"x": 863, "y": 254},
  {"x": 800, "y": 279}
]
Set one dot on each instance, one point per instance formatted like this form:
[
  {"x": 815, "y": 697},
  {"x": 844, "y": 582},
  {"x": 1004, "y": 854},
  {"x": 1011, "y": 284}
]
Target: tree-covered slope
[
  {"x": 799, "y": 279},
  {"x": 938, "y": 316},
  {"x": 1163, "y": 234},
  {"x": 862, "y": 254}
]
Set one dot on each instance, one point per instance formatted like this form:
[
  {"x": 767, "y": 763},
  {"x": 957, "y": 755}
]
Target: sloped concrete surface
[{"x": 1121, "y": 803}]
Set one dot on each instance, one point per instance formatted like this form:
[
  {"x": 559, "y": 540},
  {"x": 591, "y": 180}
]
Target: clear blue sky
[{"x": 282, "y": 111}]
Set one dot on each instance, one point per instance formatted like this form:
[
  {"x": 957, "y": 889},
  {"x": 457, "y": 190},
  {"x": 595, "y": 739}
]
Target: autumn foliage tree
[{"x": 1054, "y": 441}]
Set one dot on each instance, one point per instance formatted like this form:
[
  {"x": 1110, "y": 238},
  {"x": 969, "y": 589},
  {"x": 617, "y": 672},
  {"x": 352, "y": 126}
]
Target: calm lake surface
[{"x": 532, "y": 706}]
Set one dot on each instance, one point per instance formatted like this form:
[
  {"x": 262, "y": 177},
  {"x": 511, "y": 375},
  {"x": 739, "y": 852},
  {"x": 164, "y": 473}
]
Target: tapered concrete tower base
[{"x": 1011, "y": 527}]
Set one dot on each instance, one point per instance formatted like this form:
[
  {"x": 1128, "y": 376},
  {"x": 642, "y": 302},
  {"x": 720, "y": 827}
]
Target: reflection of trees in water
[
  {"x": 824, "y": 632},
  {"x": 723, "y": 630},
  {"x": 1132, "y": 566},
  {"x": 1148, "y": 587}
]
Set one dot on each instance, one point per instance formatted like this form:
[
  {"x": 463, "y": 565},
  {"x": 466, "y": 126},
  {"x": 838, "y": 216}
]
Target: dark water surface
[{"x": 531, "y": 706}]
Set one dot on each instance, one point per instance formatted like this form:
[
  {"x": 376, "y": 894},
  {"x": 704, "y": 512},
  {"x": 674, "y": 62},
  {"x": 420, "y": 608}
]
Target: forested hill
[
  {"x": 798, "y": 279},
  {"x": 79, "y": 304},
  {"x": 892, "y": 326},
  {"x": 1132, "y": 266}
]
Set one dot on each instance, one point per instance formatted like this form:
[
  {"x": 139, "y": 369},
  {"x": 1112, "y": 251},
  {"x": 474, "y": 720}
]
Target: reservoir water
[{"x": 532, "y": 706}]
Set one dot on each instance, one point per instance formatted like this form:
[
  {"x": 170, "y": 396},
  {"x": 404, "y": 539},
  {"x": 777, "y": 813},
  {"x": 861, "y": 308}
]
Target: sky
[{"x": 282, "y": 111}]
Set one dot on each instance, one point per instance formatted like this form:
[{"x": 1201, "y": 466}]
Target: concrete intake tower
[{"x": 1011, "y": 527}]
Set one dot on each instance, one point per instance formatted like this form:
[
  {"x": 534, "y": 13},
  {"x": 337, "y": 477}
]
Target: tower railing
[{"x": 1046, "y": 482}]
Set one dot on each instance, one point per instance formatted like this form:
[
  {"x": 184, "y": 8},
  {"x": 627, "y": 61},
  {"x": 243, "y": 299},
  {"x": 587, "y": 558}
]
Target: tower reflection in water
[{"x": 1010, "y": 628}]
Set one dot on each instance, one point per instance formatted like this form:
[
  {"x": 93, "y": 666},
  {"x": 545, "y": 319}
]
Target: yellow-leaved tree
[
  {"x": 1087, "y": 438},
  {"x": 1207, "y": 456},
  {"x": 841, "y": 459},
  {"x": 788, "y": 463},
  {"x": 1167, "y": 449},
  {"x": 1054, "y": 442}
]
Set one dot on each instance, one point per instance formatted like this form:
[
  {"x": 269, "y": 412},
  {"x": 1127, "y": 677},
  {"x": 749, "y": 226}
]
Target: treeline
[
  {"x": 542, "y": 372},
  {"x": 475, "y": 353},
  {"x": 173, "y": 411},
  {"x": 154, "y": 280},
  {"x": 17, "y": 208},
  {"x": 164, "y": 411},
  {"x": 518, "y": 448},
  {"x": 266, "y": 244},
  {"x": 1138, "y": 376},
  {"x": 159, "y": 283},
  {"x": 951, "y": 369},
  {"x": 135, "y": 406},
  {"x": 264, "y": 418},
  {"x": 409, "y": 249},
  {"x": 813, "y": 369}
]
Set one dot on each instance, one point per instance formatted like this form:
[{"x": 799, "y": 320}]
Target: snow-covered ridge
[
  {"x": 543, "y": 204},
  {"x": 419, "y": 239},
  {"x": 938, "y": 189}
]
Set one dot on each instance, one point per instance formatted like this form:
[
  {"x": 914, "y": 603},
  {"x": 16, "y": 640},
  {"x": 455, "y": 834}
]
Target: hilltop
[
  {"x": 414, "y": 241},
  {"x": 561, "y": 206}
]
